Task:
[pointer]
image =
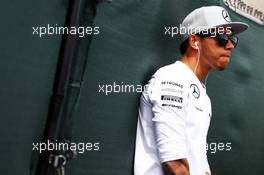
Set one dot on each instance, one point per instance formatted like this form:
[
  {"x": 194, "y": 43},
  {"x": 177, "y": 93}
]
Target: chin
[
  {"x": 221, "y": 67},
  {"x": 223, "y": 63}
]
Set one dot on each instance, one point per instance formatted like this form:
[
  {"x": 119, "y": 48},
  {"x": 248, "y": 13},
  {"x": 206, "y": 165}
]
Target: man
[{"x": 175, "y": 111}]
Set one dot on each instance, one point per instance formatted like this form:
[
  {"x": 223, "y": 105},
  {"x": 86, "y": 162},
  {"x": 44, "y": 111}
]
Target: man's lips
[{"x": 227, "y": 55}]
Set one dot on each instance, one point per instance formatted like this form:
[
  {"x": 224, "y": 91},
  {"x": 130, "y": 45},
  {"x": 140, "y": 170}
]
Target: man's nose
[{"x": 229, "y": 45}]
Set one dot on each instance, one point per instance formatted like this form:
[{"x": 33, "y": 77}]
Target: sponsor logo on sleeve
[
  {"x": 177, "y": 91},
  {"x": 172, "y": 83},
  {"x": 171, "y": 105},
  {"x": 171, "y": 98}
]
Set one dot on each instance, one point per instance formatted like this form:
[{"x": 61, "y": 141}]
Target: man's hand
[{"x": 176, "y": 167}]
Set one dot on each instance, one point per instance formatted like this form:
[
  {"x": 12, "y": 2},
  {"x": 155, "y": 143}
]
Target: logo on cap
[{"x": 226, "y": 15}]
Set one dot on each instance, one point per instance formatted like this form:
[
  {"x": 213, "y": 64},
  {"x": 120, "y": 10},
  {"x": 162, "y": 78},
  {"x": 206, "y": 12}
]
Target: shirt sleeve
[{"x": 169, "y": 99}]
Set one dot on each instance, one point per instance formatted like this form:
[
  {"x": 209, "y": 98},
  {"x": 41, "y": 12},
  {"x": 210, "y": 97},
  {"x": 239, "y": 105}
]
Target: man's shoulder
[
  {"x": 171, "y": 77},
  {"x": 170, "y": 68},
  {"x": 174, "y": 71}
]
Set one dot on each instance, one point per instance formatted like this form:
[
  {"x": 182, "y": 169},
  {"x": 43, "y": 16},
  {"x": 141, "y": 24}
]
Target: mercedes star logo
[
  {"x": 195, "y": 90},
  {"x": 226, "y": 16}
]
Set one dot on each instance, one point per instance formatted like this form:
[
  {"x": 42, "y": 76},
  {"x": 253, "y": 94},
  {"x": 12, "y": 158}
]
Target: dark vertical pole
[{"x": 69, "y": 45}]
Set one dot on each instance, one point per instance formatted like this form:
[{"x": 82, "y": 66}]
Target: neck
[{"x": 199, "y": 69}]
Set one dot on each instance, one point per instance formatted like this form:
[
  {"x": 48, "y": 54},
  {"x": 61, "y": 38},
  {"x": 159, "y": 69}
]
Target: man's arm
[
  {"x": 176, "y": 167},
  {"x": 169, "y": 123}
]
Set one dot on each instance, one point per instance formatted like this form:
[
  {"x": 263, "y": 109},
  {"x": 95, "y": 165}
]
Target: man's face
[{"x": 215, "y": 55}]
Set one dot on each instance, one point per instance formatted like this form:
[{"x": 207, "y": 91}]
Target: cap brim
[{"x": 236, "y": 27}]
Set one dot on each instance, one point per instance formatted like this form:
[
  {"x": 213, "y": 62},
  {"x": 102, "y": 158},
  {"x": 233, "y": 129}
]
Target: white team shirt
[{"x": 174, "y": 117}]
